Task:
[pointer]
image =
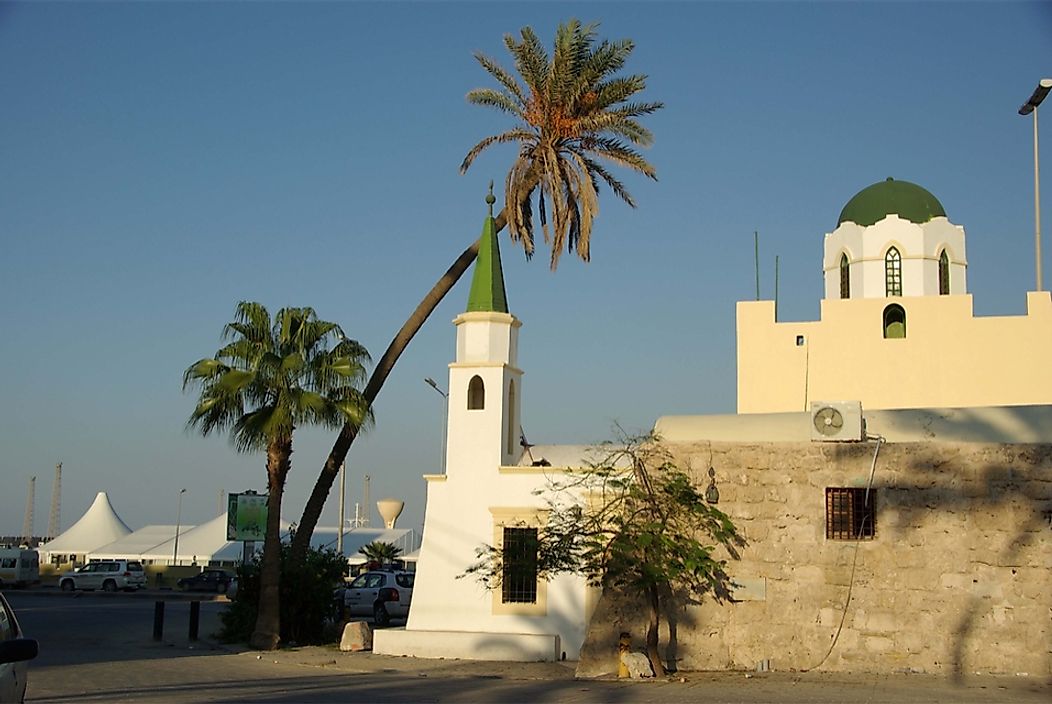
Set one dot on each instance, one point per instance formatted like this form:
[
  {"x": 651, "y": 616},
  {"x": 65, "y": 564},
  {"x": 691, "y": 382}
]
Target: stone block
[{"x": 357, "y": 636}]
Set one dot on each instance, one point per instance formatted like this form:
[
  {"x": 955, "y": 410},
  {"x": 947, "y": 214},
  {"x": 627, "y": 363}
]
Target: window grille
[
  {"x": 893, "y": 272},
  {"x": 849, "y": 515},
  {"x": 519, "y": 577}
]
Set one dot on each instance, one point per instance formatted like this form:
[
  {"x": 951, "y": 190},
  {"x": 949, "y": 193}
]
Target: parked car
[
  {"x": 209, "y": 579},
  {"x": 382, "y": 595},
  {"x": 15, "y": 653},
  {"x": 108, "y": 575}
]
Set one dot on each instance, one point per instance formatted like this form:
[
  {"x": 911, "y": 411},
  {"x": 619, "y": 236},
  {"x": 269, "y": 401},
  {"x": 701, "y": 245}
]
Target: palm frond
[
  {"x": 503, "y": 77},
  {"x": 489, "y": 97},
  {"x": 514, "y": 135}
]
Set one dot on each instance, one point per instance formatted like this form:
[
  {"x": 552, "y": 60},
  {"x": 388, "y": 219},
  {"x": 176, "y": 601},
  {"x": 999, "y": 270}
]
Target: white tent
[
  {"x": 99, "y": 526},
  {"x": 202, "y": 545},
  {"x": 133, "y": 545},
  {"x": 356, "y": 538}
]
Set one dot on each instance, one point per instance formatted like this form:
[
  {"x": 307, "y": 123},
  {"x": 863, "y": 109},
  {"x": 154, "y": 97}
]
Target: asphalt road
[{"x": 99, "y": 648}]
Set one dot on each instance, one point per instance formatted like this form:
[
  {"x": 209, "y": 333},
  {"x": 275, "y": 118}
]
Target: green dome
[{"x": 907, "y": 200}]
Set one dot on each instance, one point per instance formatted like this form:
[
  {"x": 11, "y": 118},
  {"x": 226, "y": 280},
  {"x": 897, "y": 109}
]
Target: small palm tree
[
  {"x": 380, "y": 552},
  {"x": 272, "y": 377},
  {"x": 572, "y": 109}
]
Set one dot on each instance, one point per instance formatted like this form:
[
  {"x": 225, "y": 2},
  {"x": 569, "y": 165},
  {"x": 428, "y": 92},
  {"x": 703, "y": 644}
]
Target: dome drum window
[
  {"x": 845, "y": 277},
  {"x": 893, "y": 272},
  {"x": 944, "y": 274}
]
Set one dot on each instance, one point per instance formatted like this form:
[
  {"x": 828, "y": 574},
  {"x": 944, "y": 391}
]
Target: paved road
[{"x": 99, "y": 648}]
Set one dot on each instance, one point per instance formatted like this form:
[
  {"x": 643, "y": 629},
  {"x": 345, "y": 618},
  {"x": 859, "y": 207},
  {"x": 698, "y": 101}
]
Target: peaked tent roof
[
  {"x": 136, "y": 543},
  {"x": 100, "y": 525}
]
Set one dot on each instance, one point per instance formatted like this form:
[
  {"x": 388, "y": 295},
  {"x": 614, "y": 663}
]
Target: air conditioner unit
[{"x": 837, "y": 421}]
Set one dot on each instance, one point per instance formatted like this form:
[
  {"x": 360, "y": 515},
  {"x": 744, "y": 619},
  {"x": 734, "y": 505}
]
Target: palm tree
[
  {"x": 270, "y": 378},
  {"x": 380, "y": 552},
  {"x": 571, "y": 109}
]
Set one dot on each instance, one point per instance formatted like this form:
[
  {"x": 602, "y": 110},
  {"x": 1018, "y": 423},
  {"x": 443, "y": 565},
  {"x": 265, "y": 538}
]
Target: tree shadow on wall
[{"x": 989, "y": 485}]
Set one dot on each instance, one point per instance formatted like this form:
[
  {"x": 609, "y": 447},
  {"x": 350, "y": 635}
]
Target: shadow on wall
[{"x": 983, "y": 488}]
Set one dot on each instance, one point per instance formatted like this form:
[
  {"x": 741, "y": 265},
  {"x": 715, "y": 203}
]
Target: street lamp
[
  {"x": 1030, "y": 106},
  {"x": 178, "y": 520},
  {"x": 445, "y": 417}
]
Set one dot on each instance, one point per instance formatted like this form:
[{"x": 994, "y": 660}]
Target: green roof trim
[
  {"x": 907, "y": 200},
  {"x": 487, "y": 284}
]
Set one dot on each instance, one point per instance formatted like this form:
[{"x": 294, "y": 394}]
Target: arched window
[
  {"x": 511, "y": 417},
  {"x": 845, "y": 278},
  {"x": 894, "y": 322},
  {"x": 944, "y": 274},
  {"x": 893, "y": 272},
  {"x": 476, "y": 394}
]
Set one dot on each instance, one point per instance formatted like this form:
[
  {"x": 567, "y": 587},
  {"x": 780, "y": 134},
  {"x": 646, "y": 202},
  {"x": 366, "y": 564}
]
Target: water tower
[{"x": 390, "y": 510}]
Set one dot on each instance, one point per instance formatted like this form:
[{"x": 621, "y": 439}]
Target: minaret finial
[{"x": 490, "y": 199}]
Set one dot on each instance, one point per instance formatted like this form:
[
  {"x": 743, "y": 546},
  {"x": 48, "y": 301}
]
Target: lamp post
[
  {"x": 1030, "y": 106},
  {"x": 445, "y": 417},
  {"x": 178, "y": 520}
]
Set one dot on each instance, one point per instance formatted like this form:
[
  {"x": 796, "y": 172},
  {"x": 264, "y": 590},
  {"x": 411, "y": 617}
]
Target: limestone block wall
[{"x": 958, "y": 577}]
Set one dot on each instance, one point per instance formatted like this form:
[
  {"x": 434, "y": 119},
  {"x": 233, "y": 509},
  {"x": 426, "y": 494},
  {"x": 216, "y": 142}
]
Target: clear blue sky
[{"x": 161, "y": 161}]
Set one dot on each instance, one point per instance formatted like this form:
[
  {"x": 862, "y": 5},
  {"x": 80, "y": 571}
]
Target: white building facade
[{"x": 487, "y": 498}]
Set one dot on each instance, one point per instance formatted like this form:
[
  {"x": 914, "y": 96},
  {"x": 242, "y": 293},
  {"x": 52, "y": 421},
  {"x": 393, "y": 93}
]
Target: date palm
[
  {"x": 571, "y": 111},
  {"x": 572, "y": 108},
  {"x": 270, "y": 378}
]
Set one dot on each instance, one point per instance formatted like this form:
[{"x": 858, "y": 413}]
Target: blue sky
[{"x": 162, "y": 161}]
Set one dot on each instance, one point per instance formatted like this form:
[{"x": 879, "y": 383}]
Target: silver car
[
  {"x": 15, "y": 654},
  {"x": 108, "y": 575},
  {"x": 382, "y": 595}
]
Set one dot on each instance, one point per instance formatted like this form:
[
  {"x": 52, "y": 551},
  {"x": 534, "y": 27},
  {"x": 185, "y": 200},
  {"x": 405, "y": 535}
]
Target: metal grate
[
  {"x": 519, "y": 577},
  {"x": 849, "y": 515},
  {"x": 893, "y": 272}
]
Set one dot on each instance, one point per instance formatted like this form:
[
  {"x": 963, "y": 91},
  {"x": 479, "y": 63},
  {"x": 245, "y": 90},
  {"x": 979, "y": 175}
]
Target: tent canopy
[{"x": 100, "y": 525}]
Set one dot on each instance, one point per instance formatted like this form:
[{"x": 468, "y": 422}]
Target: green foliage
[
  {"x": 380, "y": 552},
  {"x": 306, "y": 597},
  {"x": 572, "y": 108},
  {"x": 633, "y": 521},
  {"x": 274, "y": 376}
]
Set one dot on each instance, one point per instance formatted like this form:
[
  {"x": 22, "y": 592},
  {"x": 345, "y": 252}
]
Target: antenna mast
[
  {"x": 365, "y": 501},
  {"x": 27, "y": 524},
  {"x": 54, "y": 523}
]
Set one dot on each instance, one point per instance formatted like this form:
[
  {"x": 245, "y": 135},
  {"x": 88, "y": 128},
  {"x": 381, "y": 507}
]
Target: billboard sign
[{"x": 246, "y": 516}]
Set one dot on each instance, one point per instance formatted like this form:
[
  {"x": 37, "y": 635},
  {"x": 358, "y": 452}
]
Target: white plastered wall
[
  {"x": 918, "y": 245},
  {"x": 466, "y": 504}
]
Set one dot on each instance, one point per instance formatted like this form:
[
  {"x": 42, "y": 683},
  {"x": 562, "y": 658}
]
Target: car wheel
[
  {"x": 67, "y": 585},
  {"x": 380, "y": 616},
  {"x": 109, "y": 586}
]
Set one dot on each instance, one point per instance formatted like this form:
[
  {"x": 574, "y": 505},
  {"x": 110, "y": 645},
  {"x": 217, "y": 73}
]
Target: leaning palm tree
[
  {"x": 270, "y": 378},
  {"x": 572, "y": 112}
]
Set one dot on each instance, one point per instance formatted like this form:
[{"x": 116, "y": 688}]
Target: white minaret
[{"x": 485, "y": 381}]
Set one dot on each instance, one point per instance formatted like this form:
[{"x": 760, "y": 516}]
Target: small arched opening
[
  {"x": 894, "y": 322},
  {"x": 476, "y": 394},
  {"x": 944, "y": 274},
  {"x": 845, "y": 277}
]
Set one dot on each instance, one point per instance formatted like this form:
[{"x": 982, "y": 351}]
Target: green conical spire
[{"x": 487, "y": 284}]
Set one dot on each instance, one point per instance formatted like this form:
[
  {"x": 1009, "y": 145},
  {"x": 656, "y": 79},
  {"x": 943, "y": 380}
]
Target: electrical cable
[{"x": 854, "y": 560}]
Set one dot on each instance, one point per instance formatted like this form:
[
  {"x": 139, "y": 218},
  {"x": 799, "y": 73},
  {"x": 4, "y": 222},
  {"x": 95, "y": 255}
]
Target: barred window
[
  {"x": 893, "y": 272},
  {"x": 519, "y": 577},
  {"x": 849, "y": 515}
]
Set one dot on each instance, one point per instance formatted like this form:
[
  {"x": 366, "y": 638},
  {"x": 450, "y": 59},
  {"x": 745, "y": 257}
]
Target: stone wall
[{"x": 957, "y": 579}]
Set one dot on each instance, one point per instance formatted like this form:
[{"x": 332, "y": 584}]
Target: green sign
[{"x": 246, "y": 516}]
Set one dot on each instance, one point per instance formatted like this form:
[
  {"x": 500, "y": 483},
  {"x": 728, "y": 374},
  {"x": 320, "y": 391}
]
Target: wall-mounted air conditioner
[{"x": 837, "y": 421}]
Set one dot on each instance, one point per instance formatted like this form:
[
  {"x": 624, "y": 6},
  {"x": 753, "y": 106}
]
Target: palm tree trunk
[
  {"x": 329, "y": 472},
  {"x": 267, "y": 633}
]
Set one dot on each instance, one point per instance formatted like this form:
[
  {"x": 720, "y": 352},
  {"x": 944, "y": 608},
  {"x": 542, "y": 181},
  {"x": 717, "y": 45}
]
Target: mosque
[{"x": 889, "y": 465}]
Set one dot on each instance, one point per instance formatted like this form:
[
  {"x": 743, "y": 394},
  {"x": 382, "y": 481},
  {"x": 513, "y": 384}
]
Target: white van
[{"x": 19, "y": 567}]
